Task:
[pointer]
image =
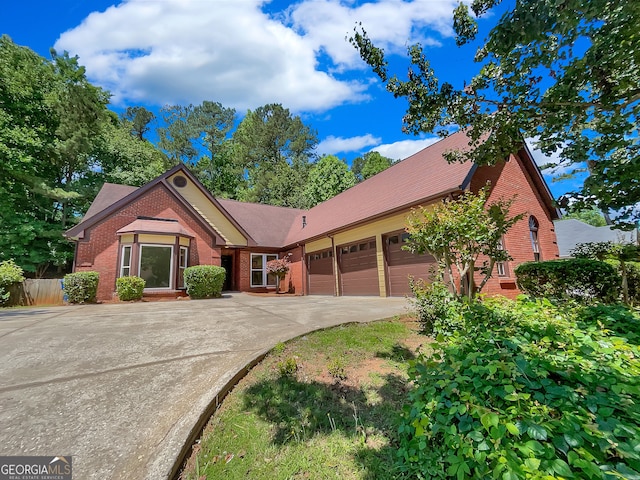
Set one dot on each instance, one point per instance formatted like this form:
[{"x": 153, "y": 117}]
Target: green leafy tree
[
  {"x": 139, "y": 119},
  {"x": 50, "y": 122},
  {"x": 198, "y": 136},
  {"x": 591, "y": 216},
  {"x": 464, "y": 236},
  {"x": 566, "y": 73},
  {"x": 328, "y": 177},
  {"x": 125, "y": 158},
  {"x": 216, "y": 169},
  {"x": 81, "y": 110},
  {"x": 176, "y": 137},
  {"x": 370, "y": 164},
  {"x": 275, "y": 150},
  {"x": 621, "y": 253}
]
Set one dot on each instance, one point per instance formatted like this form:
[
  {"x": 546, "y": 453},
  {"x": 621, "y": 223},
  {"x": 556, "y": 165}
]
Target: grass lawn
[{"x": 321, "y": 406}]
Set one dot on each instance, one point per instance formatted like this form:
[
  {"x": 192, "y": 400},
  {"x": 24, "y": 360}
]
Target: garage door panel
[
  {"x": 321, "y": 278},
  {"x": 359, "y": 268},
  {"x": 401, "y": 264}
]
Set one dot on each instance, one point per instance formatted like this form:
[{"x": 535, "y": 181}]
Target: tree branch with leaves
[
  {"x": 464, "y": 236},
  {"x": 566, "y": 73}
]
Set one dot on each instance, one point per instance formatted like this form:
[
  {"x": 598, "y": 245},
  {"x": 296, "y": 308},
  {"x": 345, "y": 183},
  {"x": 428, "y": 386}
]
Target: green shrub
[
  {"x": 576, "y": 279},
  {"x": 10, "y": 274},
  {"x": 81, "y": 287},
  {"x": 279, "y": 348},
  {"x": 337, "y": 369},
  {"x": 288, "y": 367},
  {"x": 633, "y": 279},
  {"x": 204, "y": 281},
  {"x": 437, "y": 308},
  {"x": 130, "y": 288},
  {"x": 526, "y": 390}
]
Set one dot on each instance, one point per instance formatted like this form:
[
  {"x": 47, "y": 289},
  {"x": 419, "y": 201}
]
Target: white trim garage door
[
  {"x": 401, "y": 264},
  {"x": 359, "y": 268},
  {"x": 320, "y": 273}
]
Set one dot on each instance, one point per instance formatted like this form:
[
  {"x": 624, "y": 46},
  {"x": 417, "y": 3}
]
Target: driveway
[{"x": 121, "y": 387}]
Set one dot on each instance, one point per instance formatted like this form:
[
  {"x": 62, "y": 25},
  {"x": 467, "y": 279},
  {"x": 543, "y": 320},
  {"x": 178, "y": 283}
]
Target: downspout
[
  {"x": 75, "y": 255},
  {"x": 305, "y": 269},
  {"x": 336, "y": 284}
]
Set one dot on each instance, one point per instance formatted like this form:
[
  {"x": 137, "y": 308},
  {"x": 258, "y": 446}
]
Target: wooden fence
[{"x": 41, "y": 291}]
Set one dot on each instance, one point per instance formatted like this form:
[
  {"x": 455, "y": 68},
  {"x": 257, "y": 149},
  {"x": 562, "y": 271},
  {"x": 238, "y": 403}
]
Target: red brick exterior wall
[
  {"x": 99, "y": 250},
  {"x": 508, "y": 180},
  {"x": 295, "y": 279},
  {"x": 291, "y": 283}
]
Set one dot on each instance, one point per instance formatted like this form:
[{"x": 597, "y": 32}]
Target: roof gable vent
[{"x": 179, "y": 181}]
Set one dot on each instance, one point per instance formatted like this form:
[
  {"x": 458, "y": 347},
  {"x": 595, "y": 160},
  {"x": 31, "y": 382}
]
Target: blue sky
[{"x": 247, "y": 53}]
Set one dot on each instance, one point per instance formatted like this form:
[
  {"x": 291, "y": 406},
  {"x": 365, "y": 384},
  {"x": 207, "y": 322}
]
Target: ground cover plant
[
  {"x": 526, "y": 390},
  {"x": 322, "y": 406}
]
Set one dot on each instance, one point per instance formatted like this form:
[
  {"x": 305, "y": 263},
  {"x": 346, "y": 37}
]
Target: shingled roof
[
  {"x": 109, "y": 194},
  {"x": 418, "y": 179},
  {"x": 268, "y": 225}
]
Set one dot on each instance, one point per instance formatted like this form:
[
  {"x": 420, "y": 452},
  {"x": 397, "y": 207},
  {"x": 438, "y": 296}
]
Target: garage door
[
  {"x": 359, "y": 268},
  {"x": 320, "y": 268},
  {"x": 401, "y": 264}
]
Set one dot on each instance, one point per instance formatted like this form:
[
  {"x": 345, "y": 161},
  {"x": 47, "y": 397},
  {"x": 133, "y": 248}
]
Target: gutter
[{"x": 387, "y": 213}]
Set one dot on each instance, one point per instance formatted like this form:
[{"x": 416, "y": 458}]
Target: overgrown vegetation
[
  {"x": 130, "y": 288},
  {"x": 204, "y": 281},
  {"x": 10, "y": 274},
  {"x": 622, "y": 256},
  {"x": 308, "y": 424},
  {"x": 527, "y": 390},
  {"x": 571, "y": 279},
  {"x": 81, "y": 287}
]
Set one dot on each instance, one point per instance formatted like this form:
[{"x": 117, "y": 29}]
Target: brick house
[{"x": 348, "y": 245}]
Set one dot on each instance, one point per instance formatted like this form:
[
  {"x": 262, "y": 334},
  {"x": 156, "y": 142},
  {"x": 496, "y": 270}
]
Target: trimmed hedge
[
  {"x": 130, "y": 288},
  {"x": 10, "y": 274},
  {"x": 81, "y": 287},
  {"x": 633, "y": 279},
  {"x": 204, "y": 281},
  {"x": 575, "y": 279}
]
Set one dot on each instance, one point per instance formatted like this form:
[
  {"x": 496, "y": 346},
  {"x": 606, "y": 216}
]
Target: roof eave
[
  {"x": 387, "y": 213},
  {"x": 535, "y": 171}
]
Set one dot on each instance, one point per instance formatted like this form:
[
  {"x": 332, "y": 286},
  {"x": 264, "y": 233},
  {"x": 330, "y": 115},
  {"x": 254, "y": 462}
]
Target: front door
[{"x": 227, "y": 264}]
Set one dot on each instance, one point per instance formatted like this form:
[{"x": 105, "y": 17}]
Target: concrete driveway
[{"x": 121, "y": 387}]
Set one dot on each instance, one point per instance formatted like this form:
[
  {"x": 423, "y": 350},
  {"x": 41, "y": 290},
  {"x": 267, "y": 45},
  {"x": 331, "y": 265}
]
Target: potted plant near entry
[{"x": 278, "y": 267}]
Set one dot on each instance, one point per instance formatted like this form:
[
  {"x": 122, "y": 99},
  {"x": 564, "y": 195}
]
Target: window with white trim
[
  {"x": 182, "y": 264},
  {"x": 259, "y": 275},
  {"x": 533, "y": 233},
  {"x": 501, "y": 267},
  {"x": 156, "y": 265},
  {"x": 125, "y": 263}
]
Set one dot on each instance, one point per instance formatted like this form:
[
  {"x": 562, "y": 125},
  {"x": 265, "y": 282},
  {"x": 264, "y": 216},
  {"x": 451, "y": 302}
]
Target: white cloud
[
  {"x": 333, "y": 145},
  {"x": 238, "y": 52},
  {"x": 404, "y": 148},
  {"x": 551, "y": 162},
  {"x": 391, "y": 24}
]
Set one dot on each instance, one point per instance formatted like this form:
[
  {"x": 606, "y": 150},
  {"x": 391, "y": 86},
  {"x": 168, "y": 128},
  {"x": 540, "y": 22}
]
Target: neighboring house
[
  {"x": 348, "y": 245},
  {"x": 571, "y": 232}
]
